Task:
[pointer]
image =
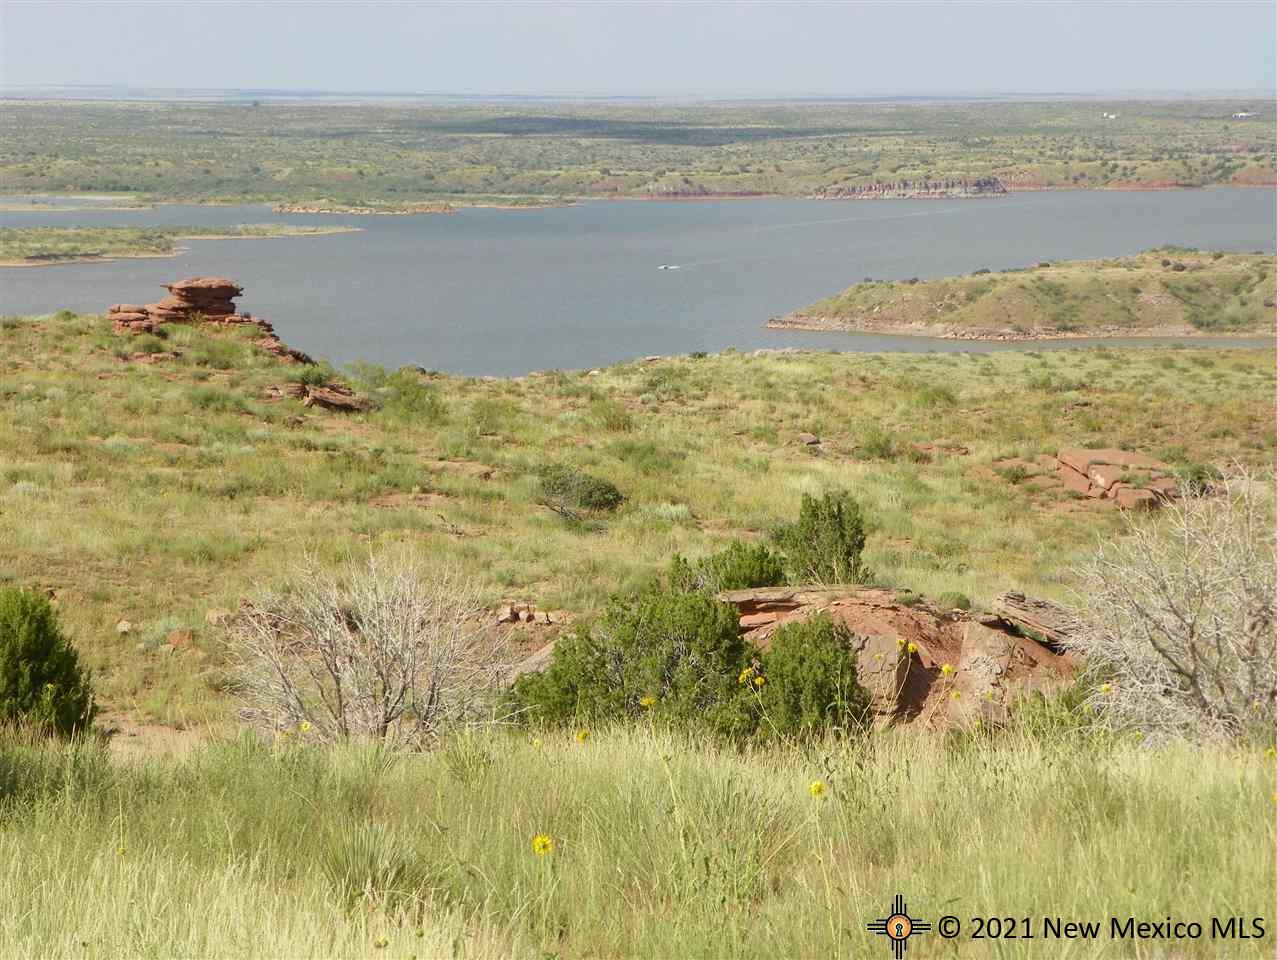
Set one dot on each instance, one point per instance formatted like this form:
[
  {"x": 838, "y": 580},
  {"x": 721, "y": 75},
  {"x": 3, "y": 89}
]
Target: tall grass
[{"x": 663, "y": 846}]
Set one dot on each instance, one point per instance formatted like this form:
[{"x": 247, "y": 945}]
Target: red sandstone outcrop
[
  {"x": 1132, "y": 481},
  {"x": 199, "y": 300},
  {"x": 919, "y": 663}
]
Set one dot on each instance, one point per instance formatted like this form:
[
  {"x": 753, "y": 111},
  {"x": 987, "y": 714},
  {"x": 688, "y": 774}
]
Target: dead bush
[
  {"x": 1179, "y": 617},
  {"x": 383, "y": 648}
]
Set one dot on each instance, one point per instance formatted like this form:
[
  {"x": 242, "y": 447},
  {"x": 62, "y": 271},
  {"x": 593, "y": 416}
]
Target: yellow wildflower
[
  {"x": 744, "y": 674},
  {"x": 1271, "y": 753},
  {"x": 582, "y": 736},
  {"x": 304, "y": 727},
  {"x": 381, "y": 942},
  {"x": 956, "y": 695},
  {"x": 912, "y": 648},
  {"x": 818, "y": 788},
  {"x": 119, "y": 851},
  {"x": 1106, "y": 688},
  {"x": 946, "y": 669},
  {"x": 900, "y": 641},
  {"x": 647, "y": 701},
  {"x": 542, "y": 844},
  {"x": 759, "y": 681},
  {"x": 536, "y": 743}
]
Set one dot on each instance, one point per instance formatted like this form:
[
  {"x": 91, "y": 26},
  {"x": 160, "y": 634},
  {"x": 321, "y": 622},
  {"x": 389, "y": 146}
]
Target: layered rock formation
[
  {"x": 978, "y": 187},
  {"x": 330, "y": 396},
  {"x": 941, "y": 668},
  {"x": 1132, "y": 481},
  {"x": 199, "y": 300},
  {"x": 919, "y": 664}
]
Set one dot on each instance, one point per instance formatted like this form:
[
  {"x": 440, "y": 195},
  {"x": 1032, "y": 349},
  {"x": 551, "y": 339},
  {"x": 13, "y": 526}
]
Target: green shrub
[
  {"x": 148, "y": 343},
  {"x": 876, "y": 444},
  {"x": 825, "y": 545},
  {"x": 41, "y": 680},
  {"x": 216, "y": 400},
  {"x": 682, "y": 650},
  {"x": 218, "y": 354},
  {"x": 404, "y": 393},
  {"x": 953, "y": 600},
  {"x": 1195, "y": 479},
  {"x": 739, "y": 567},
  {"x": 313, "y": 374},
  {"x": 647, "y": 457},
  {"x": 810, "y": 681},
  {"x": 564, "y": 484},
  {"x": 493, "y": 415},
  {"x": 611, "y": 415}
]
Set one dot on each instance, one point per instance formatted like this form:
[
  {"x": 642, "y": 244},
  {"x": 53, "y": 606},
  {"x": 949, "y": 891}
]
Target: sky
[{"x": 647, "y": 48}]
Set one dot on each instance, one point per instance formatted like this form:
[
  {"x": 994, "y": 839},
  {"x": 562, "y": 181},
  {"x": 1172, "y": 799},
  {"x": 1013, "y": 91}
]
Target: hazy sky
[{"x": 646, "y": 48}]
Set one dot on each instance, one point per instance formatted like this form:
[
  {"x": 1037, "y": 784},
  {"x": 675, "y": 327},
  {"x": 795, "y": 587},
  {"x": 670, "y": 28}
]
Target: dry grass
[
  {"x": 662, "y": 846},
  {"x": 153, "y": 492}
]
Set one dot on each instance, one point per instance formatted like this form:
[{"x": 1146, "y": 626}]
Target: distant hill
[{"x": 1169, "y": 291}]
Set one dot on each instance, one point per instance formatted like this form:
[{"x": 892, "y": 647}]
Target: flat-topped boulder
[{"x": 195, "y": 288}]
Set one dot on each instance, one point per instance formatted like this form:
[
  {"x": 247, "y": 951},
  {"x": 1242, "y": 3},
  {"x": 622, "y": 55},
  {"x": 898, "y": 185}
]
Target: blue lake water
[{"x": 510, "y": 291}]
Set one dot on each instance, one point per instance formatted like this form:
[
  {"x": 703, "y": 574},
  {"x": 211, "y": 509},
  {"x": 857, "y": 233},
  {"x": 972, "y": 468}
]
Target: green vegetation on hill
[
  {"x": 388, "y": 155},
  {"x": 23, "y": 246},
  {"x": 153, "y": 492},
  {"x": 1167, "y": 291}
]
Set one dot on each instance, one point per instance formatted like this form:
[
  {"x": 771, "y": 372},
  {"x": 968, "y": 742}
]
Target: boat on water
[{"x": 668, "y": 266}]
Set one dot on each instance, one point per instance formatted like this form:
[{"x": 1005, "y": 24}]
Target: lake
[{"x": 510, "y": 291}]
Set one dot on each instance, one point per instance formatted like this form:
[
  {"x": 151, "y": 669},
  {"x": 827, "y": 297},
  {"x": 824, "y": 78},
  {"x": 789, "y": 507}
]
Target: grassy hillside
[
  {"x": 152, "y": 492},
  {"x": 396, "y": 155},
  {"x": 29, "y": 246},
  {"x": 1170, "y": 291}
]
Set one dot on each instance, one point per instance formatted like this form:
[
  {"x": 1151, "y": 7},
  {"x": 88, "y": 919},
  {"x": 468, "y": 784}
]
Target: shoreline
[
  {"x": 176, "y": 252},
  {"x": 456, "y": 205},
  {"x": 811, "y": 324}
]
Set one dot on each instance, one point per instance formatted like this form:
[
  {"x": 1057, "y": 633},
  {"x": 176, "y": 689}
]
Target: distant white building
[
  {"x": 1242, "y": 115},
  {"x": 1108, "y": 116}
]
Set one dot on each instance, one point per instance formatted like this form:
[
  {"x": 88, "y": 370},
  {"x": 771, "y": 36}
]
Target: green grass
[
  {"x": 663, "y": 846},
  {"x": 1168, "y": 291},
  {"x": 405, "y": 156},
  {"x": 35, "y": 245},
  {"x": 154, "y": 492}
]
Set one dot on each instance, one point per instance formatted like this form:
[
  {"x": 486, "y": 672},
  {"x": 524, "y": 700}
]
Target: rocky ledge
[
  {"x": 919, "y": 663},
  {"x": 205, "y": 300},
  {"x": 1132, "y": 481},
  {"x": 922, "y": 664}
]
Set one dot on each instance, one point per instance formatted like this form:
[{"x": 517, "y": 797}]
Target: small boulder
[{"x": 1132, "y": 498}]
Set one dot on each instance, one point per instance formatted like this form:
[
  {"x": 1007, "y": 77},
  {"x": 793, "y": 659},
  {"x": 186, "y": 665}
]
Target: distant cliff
[{"x": 978, "y": 187}]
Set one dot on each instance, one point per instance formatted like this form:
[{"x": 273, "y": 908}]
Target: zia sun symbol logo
[{"x": 898, "y": 927}]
